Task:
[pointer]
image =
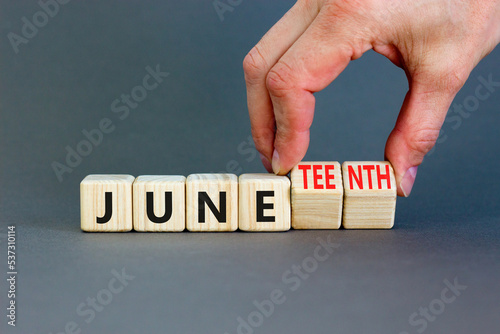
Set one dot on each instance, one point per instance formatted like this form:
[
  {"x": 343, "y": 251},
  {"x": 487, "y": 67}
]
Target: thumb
[{"x": 417, "y": 129}]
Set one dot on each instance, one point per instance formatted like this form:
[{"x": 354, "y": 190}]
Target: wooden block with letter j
[
  {"x": 212, "y": 202},
  {"x": 369, "y": 195},
  {"x": 160, "y": 203},
  {"x": 264, "y": 202},
  {"x": 106, "y": 203},
  {"x": 317, "y": 195}
]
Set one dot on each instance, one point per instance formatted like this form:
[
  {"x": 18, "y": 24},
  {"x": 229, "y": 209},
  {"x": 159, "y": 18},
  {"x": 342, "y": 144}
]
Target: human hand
[{"x": 436, "y": 42}]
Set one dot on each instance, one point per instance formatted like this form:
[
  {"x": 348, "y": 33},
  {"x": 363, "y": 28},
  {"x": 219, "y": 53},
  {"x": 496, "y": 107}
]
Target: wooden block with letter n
[
  {"x": 106, "y": 203},
  {"x": 264, "y": 202},
  {"x": 317, "y": 195},
  {"x": 369, "y": 195},
  {"x": 160, "y": 203},
  {"x": 211, "y": 202}
]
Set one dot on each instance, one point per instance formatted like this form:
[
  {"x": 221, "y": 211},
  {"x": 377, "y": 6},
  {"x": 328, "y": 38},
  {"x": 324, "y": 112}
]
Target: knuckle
[
  {"x": 455, "y": 80},
  {"x": 312, "y": 6},
  {"x": 349, "y": 10},
  {"x": 450, "y": 80},
  {"x": 254, "y": 66},
  {"x": 423, "y": 140},
  {"x": 446, "y": 78},
  {"x": 279, "y": 79}
]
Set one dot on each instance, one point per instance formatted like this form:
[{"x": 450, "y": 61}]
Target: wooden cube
[
  {"x": 106, "y": 203},
  {"x": 317, "y": 195},
  {"x": 159, "y": 203},
  {"x": 264, "y": 202},
  {"x": 369, "y": 195},
  {"x": 212, "y": 202}
]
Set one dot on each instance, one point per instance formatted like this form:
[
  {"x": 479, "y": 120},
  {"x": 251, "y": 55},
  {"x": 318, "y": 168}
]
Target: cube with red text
[
  {"x": 317, "y": 195},
  {"x": 369, "y": 195}
]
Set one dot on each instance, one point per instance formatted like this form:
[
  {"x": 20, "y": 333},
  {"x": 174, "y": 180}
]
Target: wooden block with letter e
[
  {"x": 369, "y": 195},
  {"x": 317, "y": 195},
  {"x": 264, "y": 202},
  {"x": 211, "y": 202},
  {"x": 160, "y": 203},
  {"x": 106, "y": 203}
]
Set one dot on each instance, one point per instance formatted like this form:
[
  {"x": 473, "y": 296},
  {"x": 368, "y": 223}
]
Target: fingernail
[
  {"x": 276, "y": 162},
  {"x": 408, "y": 180},
  {"x": 266, "y": 163}
]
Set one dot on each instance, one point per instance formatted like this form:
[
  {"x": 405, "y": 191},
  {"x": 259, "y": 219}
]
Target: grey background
[{"x": 66, "y": 77}]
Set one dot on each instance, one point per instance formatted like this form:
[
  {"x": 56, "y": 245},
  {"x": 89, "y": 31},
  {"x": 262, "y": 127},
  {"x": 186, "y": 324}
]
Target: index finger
[{"x": 261, "y": 59}]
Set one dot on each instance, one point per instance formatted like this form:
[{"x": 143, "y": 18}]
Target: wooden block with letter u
[
  {"x": 106, "y": 203},
  {"x": 212, "y": 202},
  {"x": 160, "y": 203},
  {"x": 369, "y": 195},
  {"x": 317, "y": 195},
  {"x": 264, "y": 202}
]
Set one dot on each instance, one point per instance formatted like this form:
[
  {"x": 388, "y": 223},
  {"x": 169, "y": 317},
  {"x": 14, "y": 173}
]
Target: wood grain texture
[
  {"x": 212, "y": 185},
  {"x": 369, "y": 195},
  {"x": 317, "y": 195},
  {"x": 250, "y": 184},
  {"x": 160, "y": 186},
  {"x": 92, "y": 202}
]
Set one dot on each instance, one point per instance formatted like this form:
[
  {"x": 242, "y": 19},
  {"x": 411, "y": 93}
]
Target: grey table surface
[{"x": 64, "y": 78}]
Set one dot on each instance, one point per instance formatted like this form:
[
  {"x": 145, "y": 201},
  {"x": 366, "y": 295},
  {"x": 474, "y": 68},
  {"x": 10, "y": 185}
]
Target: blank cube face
[
  {"x": 106, "y": 203},
  {"x": 159, "y": 203},
  {"x": 264, "y": 202},
  {"x": 369, "y": 195},
  {"x": 317, "y": 195},
  {"x": 212, "y": 202}
]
